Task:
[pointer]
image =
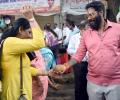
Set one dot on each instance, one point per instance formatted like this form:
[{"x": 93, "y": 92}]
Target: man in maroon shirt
[{"x": 102, "y": 41}]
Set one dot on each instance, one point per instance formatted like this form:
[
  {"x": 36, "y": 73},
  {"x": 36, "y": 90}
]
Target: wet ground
[{"x": 67, "y": 90}]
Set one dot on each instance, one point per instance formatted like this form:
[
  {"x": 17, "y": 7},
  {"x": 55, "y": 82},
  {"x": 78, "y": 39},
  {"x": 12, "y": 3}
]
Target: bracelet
[
  {"x": 32, "y": 19},
  {"x": 45, "y": 73}
]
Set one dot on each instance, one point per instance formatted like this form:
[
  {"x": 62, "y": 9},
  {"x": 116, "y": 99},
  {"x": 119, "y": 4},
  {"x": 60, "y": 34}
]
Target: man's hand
[{"x": 59, "y": 69}]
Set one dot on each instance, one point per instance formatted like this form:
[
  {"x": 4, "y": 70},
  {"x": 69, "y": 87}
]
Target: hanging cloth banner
[{"x": 12, "y": 7}]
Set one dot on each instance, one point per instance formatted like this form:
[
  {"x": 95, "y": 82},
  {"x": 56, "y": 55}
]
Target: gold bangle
[
  {"x": 31, "y": 20},
  {"x": 46, "y": 73}
]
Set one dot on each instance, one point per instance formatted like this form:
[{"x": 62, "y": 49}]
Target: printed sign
[{"x": 12, "y": 7}]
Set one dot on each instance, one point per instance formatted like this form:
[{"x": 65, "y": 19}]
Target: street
[{"x": 66, "y": 92}]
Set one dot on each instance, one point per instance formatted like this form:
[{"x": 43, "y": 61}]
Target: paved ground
[{"x": 67, "y": 90}]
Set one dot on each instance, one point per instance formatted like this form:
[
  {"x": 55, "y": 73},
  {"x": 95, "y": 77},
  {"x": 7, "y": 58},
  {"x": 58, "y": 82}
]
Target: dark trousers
[{"x": 80, "y": 72}]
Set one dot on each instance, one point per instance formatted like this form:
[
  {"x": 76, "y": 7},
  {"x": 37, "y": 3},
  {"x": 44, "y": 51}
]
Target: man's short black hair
[
  {"x": 83, "y": 24},
  {"x": 97, "y": 5},
  {"x": 70, "y": 22}
]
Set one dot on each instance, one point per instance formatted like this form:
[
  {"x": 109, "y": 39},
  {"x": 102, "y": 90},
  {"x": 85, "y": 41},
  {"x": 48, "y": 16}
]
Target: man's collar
[{"x": 108, "y": 24}]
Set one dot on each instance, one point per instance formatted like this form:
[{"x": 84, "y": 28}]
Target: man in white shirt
[
  {"x": 58, "y": 31},
  {"x": 80, "y": 69},
  {"x": 66, "y": 31},
  {"x": 118, "y": 18},
  {"x": 73, "y": 30}
]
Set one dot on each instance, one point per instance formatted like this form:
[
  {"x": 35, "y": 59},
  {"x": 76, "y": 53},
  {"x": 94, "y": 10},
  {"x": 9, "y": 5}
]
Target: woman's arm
[
  {"x": 38, "y": 72},
  {"x": 16, "y": 45},
  {"x": 54, "y": 85}
]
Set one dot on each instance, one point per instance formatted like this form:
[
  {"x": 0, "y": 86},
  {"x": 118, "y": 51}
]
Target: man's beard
[{"x": 96, "y": 23}]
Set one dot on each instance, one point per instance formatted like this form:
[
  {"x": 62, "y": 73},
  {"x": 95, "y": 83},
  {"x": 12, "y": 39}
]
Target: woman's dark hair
[
  {"x": 83, "y": 24},
  {"x": 12, "y": 32},
  {"x": 97, "y": 5},
  {"x": 47, "y": 27}
]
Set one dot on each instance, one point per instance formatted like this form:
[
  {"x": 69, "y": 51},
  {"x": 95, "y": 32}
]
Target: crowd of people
[{"x": 30, "y": 56}]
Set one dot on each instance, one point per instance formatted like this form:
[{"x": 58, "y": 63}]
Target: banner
[
  {"x": 74, "y": 7},
  {"x": 12, "y": 7}
]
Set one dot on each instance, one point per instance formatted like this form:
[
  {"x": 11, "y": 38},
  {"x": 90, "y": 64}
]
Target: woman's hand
[
  {"x": 57, "y": 70},
  {"x": 56, "y": 86},
  {"x": 27, "y": 11}
]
